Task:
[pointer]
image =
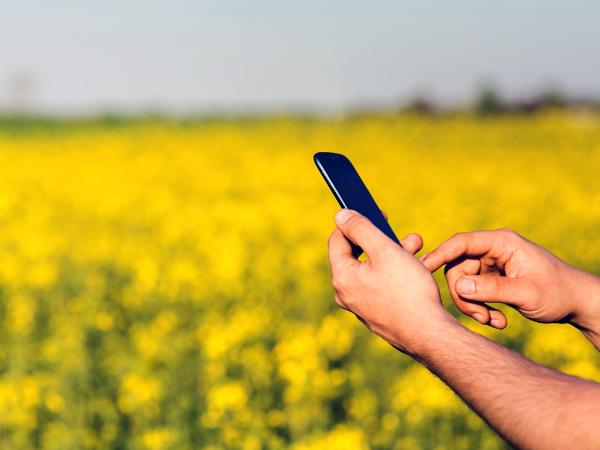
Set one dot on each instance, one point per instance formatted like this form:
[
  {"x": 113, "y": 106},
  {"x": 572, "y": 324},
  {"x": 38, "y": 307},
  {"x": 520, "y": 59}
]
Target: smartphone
[{"x": 350, "y": 192}]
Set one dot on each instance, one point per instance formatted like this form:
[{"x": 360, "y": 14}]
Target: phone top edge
[
  {"x": 324, "y": 155},
  {"x": 325, "y": 175}
]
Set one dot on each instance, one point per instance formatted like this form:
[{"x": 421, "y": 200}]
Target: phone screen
[{"x": 350, "y": 191}]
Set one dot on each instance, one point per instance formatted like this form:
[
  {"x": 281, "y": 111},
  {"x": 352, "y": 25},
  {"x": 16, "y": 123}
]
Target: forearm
[
  {"x": 586, "y": 290},
  {"x": 529, "y": 405}
]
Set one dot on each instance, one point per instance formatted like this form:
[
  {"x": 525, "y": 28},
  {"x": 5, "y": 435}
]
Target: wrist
[
  {"x": 432, "y": 335},
  {"x": 586, "y": 313}
]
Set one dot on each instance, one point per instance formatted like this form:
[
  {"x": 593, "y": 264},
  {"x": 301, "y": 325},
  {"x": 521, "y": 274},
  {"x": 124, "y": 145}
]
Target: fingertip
[
  {"x": 428, "y": 260},
  {"x": 466, "y": 286},
  {"x": 481, "y": 317},
  {"x": 413, "y": 243},
  {"x": 498, "y": 320},
  {"x": 418, "y": 238},
  {"x": 343, "y": 215}
]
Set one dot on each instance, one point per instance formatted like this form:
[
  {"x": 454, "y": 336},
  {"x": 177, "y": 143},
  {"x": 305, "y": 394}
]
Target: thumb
[
  {"x": 361, "y": 231},
  {"x": 494, "y": 289}
]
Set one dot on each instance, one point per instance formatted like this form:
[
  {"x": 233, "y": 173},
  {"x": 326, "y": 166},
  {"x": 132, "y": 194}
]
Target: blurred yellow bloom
[
  {"x": 54, "y": 402},
  {"x": 157, "y": 439},
  {"x": 229, "y": 396},
  {"x": 138, "y": 392},
  {"x": 104, "y": 321},
  {"x": 340, "y": 438},
  {"x": 21, "y": 314},
  {"x": 166, "y": 286}
]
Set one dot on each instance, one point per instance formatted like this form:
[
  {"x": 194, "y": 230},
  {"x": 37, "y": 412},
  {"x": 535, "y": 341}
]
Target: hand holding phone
[
  {"x": 392, "y": 293},
  {"x": 350, "y": 192}
]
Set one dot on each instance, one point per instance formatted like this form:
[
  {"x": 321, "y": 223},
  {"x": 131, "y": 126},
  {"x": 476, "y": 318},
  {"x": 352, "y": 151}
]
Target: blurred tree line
[{"x": 489, "y": 101}]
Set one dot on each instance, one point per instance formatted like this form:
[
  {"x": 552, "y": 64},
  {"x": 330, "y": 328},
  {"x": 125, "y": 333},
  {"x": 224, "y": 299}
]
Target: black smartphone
[{"x": 350, "y": 192}]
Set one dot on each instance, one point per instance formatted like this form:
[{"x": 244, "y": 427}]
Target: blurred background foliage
[{"x": 164, "y": 284}]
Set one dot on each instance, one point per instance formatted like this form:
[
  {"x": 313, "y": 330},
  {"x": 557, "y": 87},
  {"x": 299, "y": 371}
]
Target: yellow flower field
[{"x": 165, "y": 285}]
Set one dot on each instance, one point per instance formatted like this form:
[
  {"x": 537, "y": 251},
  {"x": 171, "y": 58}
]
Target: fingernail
[
  {"x": 466, "y": 286},
  {"x": 479, "y": 317},
  {"x": 495, "y": 323},
  {"x": 343, "y": 215}
]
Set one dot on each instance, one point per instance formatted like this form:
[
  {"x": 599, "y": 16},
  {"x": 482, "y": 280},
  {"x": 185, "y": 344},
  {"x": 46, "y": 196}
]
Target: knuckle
[
  {"x": 388, "y": 251},
  {"x": 505, "y": 230},
  {"x": 331, "y": 240},
  {"x": 507, "y": 233},
  {"x": 456, "y": 242},
  {"x": 339, "y": 302},
  {"x": 335, "y": 282},
  {"x": 456, "y": 236},
  {"x": 339, "y": 280}
]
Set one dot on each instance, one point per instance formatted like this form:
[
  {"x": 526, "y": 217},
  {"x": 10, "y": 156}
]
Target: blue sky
[{"x": 229, "y": 54}]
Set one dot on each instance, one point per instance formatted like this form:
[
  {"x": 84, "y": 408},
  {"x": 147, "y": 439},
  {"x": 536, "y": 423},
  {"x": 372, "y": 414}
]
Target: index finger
[
  {"x": 340, "y": 250},
  {"x": 472, "y": 244}
]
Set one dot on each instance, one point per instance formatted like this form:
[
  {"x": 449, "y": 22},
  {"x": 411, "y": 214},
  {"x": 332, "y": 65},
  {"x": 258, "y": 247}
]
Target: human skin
[
  {"x": 500, "y": 266},
  {"x": 396, "y": 297}
]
